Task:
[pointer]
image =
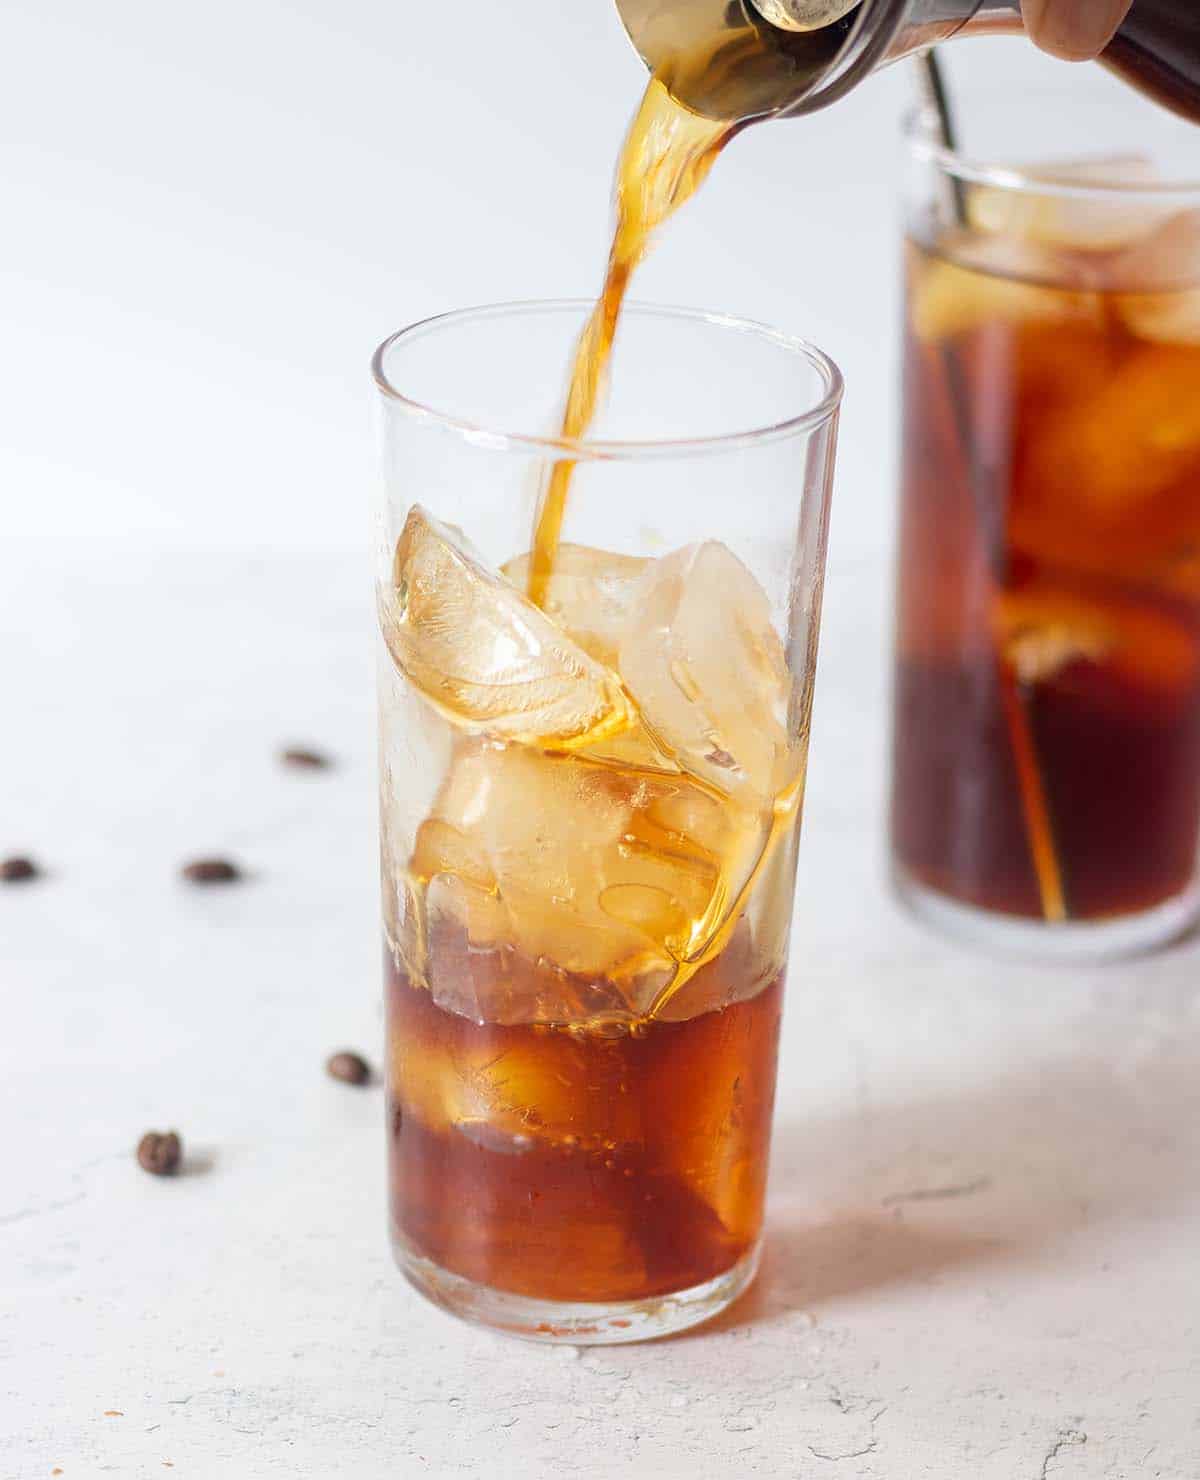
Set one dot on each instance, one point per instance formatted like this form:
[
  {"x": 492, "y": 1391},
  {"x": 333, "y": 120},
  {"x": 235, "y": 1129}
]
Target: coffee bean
[
  {"x": 305, "y": 760},
  {"x": 211, "y": 871},
  {"x": 18, "y": 870},
  {"x": 160, "y": 1152},
  {"x": 350, "y": 1068}
]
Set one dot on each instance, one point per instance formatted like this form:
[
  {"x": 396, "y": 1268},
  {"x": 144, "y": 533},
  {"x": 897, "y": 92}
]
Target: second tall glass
[
  {"x": 1046, "y": 758},
  {"x": 590, "y": 807}
]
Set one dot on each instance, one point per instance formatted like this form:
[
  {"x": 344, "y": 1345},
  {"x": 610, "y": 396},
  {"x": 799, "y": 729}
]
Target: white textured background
[{"x": 985, "y": 1201}]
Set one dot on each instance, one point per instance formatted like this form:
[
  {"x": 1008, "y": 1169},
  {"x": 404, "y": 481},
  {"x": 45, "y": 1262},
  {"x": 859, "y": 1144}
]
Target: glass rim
[
  {"x": 916, "y": 131},
  {"x": 587, "y": 449}
]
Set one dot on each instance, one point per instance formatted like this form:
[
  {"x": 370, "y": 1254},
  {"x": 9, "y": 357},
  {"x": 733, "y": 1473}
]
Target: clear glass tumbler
[
  {"x": 590, "y": 808},
  {"x": 1046, "y": 744}
]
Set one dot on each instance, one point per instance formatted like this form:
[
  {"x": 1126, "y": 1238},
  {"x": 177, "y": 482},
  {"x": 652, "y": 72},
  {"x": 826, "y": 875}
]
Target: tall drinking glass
[
  {"x": 590, "y": 808},
  {"x": 1046, "y": 746}
]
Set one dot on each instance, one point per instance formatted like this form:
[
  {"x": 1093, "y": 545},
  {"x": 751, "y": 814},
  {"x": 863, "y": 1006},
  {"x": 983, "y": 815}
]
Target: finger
[{"x": 1075, "y": 30}]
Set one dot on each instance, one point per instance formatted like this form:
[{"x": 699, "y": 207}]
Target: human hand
[{"x": 1075, "y": 30}]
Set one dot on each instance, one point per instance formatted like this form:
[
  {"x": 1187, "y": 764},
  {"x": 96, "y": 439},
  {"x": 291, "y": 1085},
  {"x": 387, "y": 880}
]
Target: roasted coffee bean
[
  {"x": 160, "y": 1152},
  {"x": 211, "y": 871},
  {"x": 305, "y": 760},
  {"x": 17, "y": 870},
  {"x": 350, "y": 1068}
]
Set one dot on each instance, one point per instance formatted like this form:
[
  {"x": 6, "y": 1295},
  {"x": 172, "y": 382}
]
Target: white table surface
[{"x": 985, "y": 1205}]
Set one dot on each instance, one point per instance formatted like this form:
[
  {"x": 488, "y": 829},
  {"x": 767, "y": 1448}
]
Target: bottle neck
[
  {"x": 931, "y": 22},
  {"x": 994, "y": 18},
  {"x": 886, "y": 30}
]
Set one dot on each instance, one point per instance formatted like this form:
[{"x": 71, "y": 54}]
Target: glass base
[
  {"x": 1070, "y": 943},
  {"x": 576, "y": 1323}
]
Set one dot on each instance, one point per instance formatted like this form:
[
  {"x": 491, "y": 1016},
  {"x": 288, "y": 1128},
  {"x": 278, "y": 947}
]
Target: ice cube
[
  {"x": 1108, "y": 457},
  {"x": 997, "y": 279},
  {"x": 732, "y": 975},
  {"x": 429, "y": 1079},
  {"x": 1038, "y": 650},
  {"x": 507, "y": 1095},
  {"x": 587, "y": 596},
  {"x": 558, "y": 1089},
  {"x": 482, "y": 654},
  {"x": 1167, "y": 258},
  {"x": 490, "y": 982},
  {"x": 1041, "y": 631},
  {"x": 707, "y": 669},
  {"x": 1167, "y": 318},
  {"x": 1095, "y": 219},
  {"x": 1161, "y": 281},
  {"x": 580, "y": 866},
  {"x": 631, "y": 751}
]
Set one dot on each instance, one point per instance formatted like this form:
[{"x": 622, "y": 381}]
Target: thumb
[{"x": 1075, "y": 30}]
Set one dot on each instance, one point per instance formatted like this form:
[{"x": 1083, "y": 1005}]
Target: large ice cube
[
  {"x": 1108, "y": 458},
  {"x": 507, "y": 1095},
  {"x": 1167, "y": 258},
  {"x": 1161, "y": 281},
  {"x": 587, "y": 595},
  {"x": 482, "y": 654},
  {"x": 1168, "y": 318},
  {"x": 704, "y": 663},
  {"x": 591, "y": 870}
]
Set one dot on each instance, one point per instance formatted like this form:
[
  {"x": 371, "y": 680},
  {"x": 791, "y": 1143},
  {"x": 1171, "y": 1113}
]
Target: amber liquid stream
[{"x": 667, "y": 155}]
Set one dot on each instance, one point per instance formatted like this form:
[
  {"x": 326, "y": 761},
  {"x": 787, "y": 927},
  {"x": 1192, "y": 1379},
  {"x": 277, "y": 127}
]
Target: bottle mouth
[
  {"x": 725, "y": 60},
  {"x": 802, "y": 15}
]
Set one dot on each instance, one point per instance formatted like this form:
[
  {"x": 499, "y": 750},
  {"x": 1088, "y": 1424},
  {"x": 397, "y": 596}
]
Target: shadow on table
[
  {"x": 903, "y": 1193},
  {"x": 198, "y": 1161}
]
